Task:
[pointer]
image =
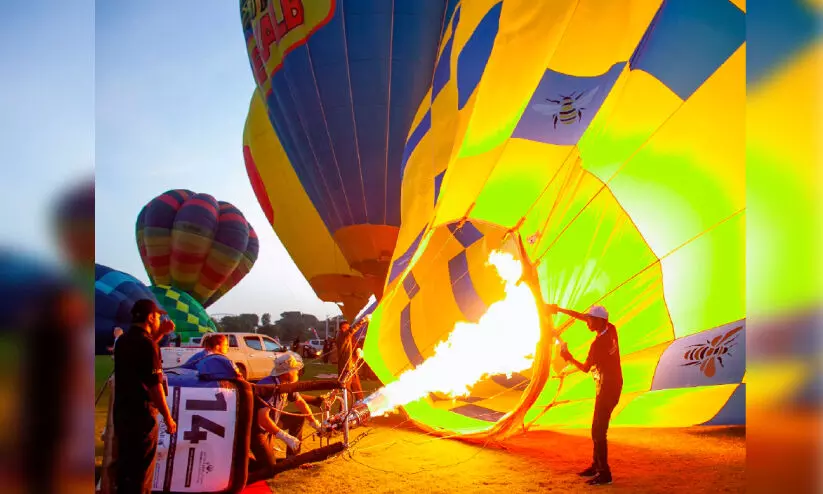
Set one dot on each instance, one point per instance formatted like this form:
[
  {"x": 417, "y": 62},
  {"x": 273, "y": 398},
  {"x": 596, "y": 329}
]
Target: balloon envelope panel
[
  {"x": 607, "y": 155},
  {"x": 115, "y": 292},
  {"x": 190, "y": 318}
]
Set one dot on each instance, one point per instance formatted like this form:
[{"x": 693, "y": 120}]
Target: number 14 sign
[{"x": 199, "y": 457}]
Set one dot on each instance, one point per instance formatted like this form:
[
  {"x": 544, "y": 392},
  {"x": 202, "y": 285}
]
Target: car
[
  {"x": 252, "y": 353},
  {"x": 312, "y": 348}
]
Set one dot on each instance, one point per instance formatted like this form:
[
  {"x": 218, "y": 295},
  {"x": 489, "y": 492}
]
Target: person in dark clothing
[
  {"x": 138, "y": 396},
  {"x": 295, "y": 346},
  {"x": 604, "y": 362},
  {"x": 346, "y": 361}
]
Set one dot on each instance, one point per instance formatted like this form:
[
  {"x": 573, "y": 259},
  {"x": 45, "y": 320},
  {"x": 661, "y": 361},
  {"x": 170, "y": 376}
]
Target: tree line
[{"x": 290, "y": 326}]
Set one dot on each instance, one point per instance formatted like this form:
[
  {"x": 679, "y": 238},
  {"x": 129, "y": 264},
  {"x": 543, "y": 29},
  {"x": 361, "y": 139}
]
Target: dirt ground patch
[{"x": 395, "y": 457}]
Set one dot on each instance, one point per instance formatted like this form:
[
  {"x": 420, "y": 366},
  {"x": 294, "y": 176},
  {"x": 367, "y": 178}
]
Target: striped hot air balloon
[{"x": 195, "y": 244}]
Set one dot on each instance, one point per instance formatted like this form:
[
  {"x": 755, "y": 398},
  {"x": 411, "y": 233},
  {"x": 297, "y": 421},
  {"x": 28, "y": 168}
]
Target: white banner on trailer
[{"x": 199, "y": 457}]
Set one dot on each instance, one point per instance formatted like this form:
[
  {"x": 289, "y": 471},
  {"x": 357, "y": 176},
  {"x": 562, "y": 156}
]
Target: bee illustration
[
  {"x": 704, "y": 354},
  {"x": 567, "y": 109}
]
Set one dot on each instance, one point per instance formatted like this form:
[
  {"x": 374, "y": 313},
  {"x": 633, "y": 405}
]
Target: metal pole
[
  {"x": 327, "y": 326},
  {"x": 346, "y": 417}
]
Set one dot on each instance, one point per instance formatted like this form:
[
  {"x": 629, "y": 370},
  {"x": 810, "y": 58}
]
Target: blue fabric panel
[
  {"x": 469, "y": 302},
  {"x": 711, "y": 357},
  {"x": 467, "y": 235},
  {"x": 406, "y": 337},
  {"x": 438, "y": 181},
  {"x": 479, "y": 413},
  {"x": 734, "y": 411},
  {"x": 415, "y": 138},
  {"x": 476, "y": 52},
  {"x": 403, "y": 261},
  {"x": 777, "y": 30},
  {"x": 688, "y": 40},
  {"x": 411, "y": 286}
]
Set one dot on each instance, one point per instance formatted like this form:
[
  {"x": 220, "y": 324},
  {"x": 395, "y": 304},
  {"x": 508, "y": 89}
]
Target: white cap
[
  {"x": 599, "y": 311},
  {"x": 287, "y": 362}
]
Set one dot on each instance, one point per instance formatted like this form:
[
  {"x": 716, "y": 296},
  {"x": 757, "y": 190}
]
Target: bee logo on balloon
[
  {"x": 567, "y": 109},
  {"x": 705, "y": 354}
]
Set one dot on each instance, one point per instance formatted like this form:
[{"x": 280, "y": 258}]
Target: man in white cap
[
  {"x": 269, "y": 418},
  {"x": 604, "y": 362}
]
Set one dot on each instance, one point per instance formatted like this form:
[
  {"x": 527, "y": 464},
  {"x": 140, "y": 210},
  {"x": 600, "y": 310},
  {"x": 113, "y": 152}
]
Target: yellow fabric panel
[
  {"x": 389, "y": 344},
  {"x": 741, "y": 4},
  {"x": 528, "y": 33},
  {"x": 574, "y": 415},
  {"x": 296, "y": 221},
  {"x": 701, "y": 149},
  {"x": 635, "y": 108},
  {"x": 681, "y": 407},
  {"x": 776, "y": 382},
  {"x": 503, "y": 401},
  {"x": 421, "y": 112},
  {"x": 526, "y": 167},
  {"x": 463, "y": 181},
  {"x": 600, "y": 33},
  {"x": 783, "y": 155},
  {"x": 434, "y": 309},
  {"x": 706, "y": 279}
]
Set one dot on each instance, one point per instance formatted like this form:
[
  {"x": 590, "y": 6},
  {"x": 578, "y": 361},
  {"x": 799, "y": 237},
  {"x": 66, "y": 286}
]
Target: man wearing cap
[
  {"x": 270, "y": 420},
  {"x": 604, "y": 362},
  {"x": 138, "y": 396}
]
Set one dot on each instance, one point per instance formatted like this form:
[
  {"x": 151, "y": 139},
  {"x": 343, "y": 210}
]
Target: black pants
[
  {"x": 603, "y": 407},
  {"x": 136, "y": 447},
  {"x": 261, "y": 447}
]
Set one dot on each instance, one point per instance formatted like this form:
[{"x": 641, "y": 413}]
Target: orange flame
[{"x": 469, "y": 354}]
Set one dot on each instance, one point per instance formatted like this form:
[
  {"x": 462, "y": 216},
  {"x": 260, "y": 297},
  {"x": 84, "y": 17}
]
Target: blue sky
[
  {"x": 150, "y": 96},
  {"x": 173, "y": 86}
]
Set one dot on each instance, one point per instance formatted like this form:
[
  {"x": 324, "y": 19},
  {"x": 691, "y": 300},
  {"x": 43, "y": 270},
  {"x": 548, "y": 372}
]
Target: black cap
[{"x": 143, "y": 307}]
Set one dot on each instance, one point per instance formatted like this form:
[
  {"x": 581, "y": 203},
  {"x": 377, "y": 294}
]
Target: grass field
[{"x": 393, "y": 457}]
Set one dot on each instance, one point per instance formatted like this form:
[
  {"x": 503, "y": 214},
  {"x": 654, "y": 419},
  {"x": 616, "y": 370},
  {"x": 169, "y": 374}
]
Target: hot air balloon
[
  {"x": 601, "y": 146},
  {"x": 115, "y": 292},
  {"x": 194, "y": 249},
  {"x": 295, "y": 219},
  {"x": 340, "y": 82}
]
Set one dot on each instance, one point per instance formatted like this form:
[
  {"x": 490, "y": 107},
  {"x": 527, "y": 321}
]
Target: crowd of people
[{"x": 139, "y": 395}]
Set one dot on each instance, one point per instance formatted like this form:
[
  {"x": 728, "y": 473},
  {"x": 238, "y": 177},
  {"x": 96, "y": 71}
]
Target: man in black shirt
[
  {"x": 138, "y": 396},
  {"x": 604, "y": 361}
]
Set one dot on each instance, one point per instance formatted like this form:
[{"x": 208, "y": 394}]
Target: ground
[{"x": 396, "y": 457}]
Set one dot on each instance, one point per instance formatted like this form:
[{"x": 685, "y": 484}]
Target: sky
[
  {"x": 46, "y": 114},
  {"x": 148, "y": 96},
  {"x": 172, "y": 91}
]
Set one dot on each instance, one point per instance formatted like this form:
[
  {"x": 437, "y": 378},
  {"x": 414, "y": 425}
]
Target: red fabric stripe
[
  {"x": 232, "y": 217},
  {"x": 188, "y": 257},
  {"x": 257, "y": 185},
  {"x": 170, "y": 200},
  {"x": 205, "y": 204}
]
